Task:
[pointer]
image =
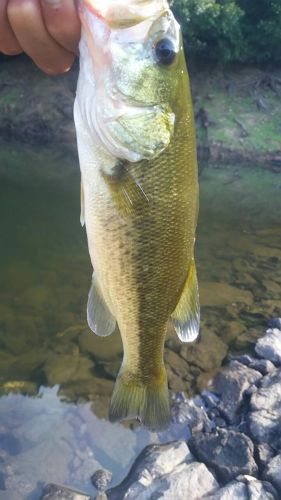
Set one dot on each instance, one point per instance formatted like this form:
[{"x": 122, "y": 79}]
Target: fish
[{"x": 139, "y": 192}]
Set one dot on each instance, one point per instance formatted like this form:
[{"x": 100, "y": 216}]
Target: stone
[
  {"x": 272, "y": 472},
  {"x": 153, "y": 462},
  {"x": 104, "y": 348},
  {"x": 214, "y": 294},
  {"x": 264, "y": 454},
  {"x": 229, "y": 453},
  {"x": 232, "y": 330},
  {"x": 194, "y": 415},
  {"x": 187, "y": 480},
  {"x": 61, "y": 368},
  {"x": 178, "y": 366},
  {"x": 264, "y": 419},
  {"x": 232, "y": 491},
  {"x": 207, "y": 354},
  {"x": 231, "y": 384},
  {"x": 275, "y": 323},
  {"x": 245, "y": 488},
  {"x": 210, "y": 398},
  {"x": 269, "y": 346},
  {"x": 57, "y": 492},
  {"x": 263, "y": 366},
  {"x": 101, "y": 478}
]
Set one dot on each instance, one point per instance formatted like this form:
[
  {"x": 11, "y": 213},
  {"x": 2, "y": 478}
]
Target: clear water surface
[{"x": 56, "y": 377}]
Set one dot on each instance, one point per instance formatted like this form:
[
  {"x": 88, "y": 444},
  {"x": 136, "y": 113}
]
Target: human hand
[{"x": 47, "y": 30}]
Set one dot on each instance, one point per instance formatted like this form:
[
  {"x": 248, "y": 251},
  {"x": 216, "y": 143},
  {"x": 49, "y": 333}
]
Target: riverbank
[
  {"x": 233, "y": 448},
  {"x": 237, "y": 110}
]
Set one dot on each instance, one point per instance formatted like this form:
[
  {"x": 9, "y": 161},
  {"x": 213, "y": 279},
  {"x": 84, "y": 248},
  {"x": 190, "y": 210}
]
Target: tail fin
[{"x": 147, "y": 401}]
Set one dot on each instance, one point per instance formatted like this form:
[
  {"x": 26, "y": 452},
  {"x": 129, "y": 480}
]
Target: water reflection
[
  {"x": 44, "y": 340},
  {"x": 45, "y": 440}
]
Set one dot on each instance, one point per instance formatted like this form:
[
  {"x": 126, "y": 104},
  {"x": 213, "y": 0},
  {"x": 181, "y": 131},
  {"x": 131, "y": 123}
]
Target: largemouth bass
[{"x": 139, "y": 192}]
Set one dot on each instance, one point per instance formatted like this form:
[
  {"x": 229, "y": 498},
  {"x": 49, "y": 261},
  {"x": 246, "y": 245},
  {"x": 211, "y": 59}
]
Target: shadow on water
[{"x": 49, "y": 357}]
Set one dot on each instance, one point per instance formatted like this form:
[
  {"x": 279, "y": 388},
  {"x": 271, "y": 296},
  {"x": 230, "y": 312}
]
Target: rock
[
  {"x": 213, "y": 294},
  {"x": 275, "y": 323},
  {"x": 210, "y": 399},
  {"x": 228, "y": 453},
  {"x": 245, "y": 488},
  {"x": 187, "y": 480},
  {"x": 178, "y": 371},
  {"x": 104, "y": 348},
  {"x": 232, "y": 491},
  {"x": 231, "y": 384},
  {"x": 187, "y": 411},
  {"x": 61, "y": 368},
  {"x": 272, "y": 472},
  {"x": 2, "y": 481},
  {"x": 269, "y": 346},
  {"x": 101, "y": 478},
  {"x": 192, "y": 481},
  {"x": 264, "y": 418},
  {"x": 263, "y": 366},
  {"x": 153, "y": 462},
  {"x": 207, "y": 354},
  {"x": 264, "y": 454},
  {"x": 56, "y": 492},
  {"x": 232, "y": 330}
]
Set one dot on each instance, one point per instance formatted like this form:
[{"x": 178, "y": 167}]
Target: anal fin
[
  {"x": 99, "y": 317},
  {"x": 186, "y": 316}
]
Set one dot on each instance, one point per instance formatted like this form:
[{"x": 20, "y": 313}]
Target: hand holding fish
[{"x": 47, "y": 30}]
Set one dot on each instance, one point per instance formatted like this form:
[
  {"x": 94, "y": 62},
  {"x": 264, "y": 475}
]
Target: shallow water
[{"x": 55, "y": 376}]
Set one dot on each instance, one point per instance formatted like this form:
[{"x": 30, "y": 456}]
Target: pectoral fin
[
  {"x": 99, "y": 317},
  {"x": 186, "y": 316},
  {"x": 127, "y": 193},
  {"x": 82, "y": 213}
]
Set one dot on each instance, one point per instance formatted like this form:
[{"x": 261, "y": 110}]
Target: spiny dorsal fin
[
  {"x": 99, "y": 317},
  {"x": 186, "y": 316}
]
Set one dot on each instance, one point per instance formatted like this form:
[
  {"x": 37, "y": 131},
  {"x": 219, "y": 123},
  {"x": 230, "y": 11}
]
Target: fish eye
[{"x": 164, "y": 51}]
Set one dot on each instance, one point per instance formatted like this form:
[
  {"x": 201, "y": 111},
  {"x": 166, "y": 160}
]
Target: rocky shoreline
[{"x": 234, "y": 445}]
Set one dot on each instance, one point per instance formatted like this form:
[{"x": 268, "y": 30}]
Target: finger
[
  {"x": 62, "y": 22},
  {"x": 8, "y": 42},
  {"x": 26, "y": 21}
]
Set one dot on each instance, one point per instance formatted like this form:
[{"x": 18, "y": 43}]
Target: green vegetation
[{"x": 231, "y": 30}]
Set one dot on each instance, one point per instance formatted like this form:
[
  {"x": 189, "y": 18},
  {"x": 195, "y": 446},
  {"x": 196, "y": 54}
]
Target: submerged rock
[
  {"x": 231, "y": 384},
  {"x": 101, "y": 478},
  {"x": 229, "y": 453},
  {"x": 207, "y": 354},
  {"x": 217, "y": 294},
  {"x": 57, "y": 492}
]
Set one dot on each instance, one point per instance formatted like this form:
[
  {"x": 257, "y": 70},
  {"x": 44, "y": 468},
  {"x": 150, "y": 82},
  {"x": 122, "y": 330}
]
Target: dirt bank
[{"x": 237, "y": 110}]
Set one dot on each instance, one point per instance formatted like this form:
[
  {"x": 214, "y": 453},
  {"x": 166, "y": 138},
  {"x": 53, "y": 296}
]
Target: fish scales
[{"x": 140, "y": 218}]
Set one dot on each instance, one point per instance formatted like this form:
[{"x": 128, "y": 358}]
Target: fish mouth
[{"x": 125, "y": 13}]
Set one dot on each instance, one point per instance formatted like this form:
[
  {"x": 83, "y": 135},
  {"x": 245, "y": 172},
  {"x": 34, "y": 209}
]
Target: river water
[{"x": 56, "y": 377}]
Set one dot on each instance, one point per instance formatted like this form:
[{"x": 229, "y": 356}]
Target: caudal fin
[{"x": 147, "y": 401}]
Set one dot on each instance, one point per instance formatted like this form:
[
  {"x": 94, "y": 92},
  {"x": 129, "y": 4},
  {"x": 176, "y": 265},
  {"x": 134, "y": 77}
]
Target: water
[{"x": 56, "y": 377}]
